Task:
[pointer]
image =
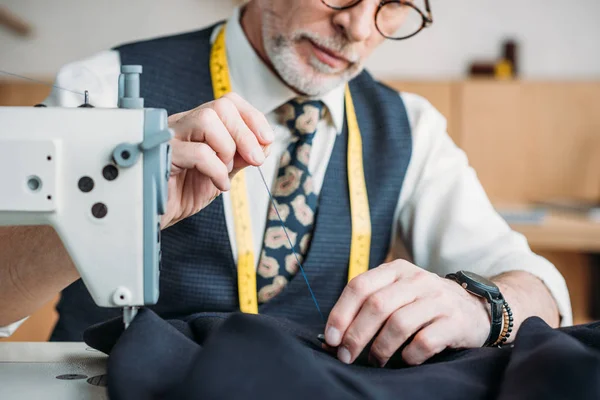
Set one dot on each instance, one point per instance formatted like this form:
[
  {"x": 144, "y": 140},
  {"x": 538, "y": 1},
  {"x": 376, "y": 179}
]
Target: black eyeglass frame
[{"x": 427, "y": 15}]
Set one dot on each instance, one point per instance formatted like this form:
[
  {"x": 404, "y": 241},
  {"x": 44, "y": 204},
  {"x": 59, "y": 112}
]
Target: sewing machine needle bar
[{"x": 129, "y": 314}]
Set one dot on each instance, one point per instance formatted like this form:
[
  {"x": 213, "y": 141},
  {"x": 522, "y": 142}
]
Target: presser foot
[{"x": 129, "y": 314}]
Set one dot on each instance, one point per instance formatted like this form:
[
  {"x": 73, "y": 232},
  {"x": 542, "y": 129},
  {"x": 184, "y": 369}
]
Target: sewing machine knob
[
  {"x": 110, "y": 172},
  {"x": 99, "y": 210},
  {"x": 129, "y": 87},
  {"x": 126, "y": 155},
  {"x": 86, "y": 184}
]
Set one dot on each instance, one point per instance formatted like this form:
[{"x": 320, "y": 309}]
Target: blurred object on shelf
[
  {"x": 482, "y": 69},
  {"x": 526, "y": 214},
  {"x": 511, "y": 49},
  {"x": 587, "y": 209},
  {"x": 562, "y": 232},
  {"x": 506, "y": 67},
  {"x": 503, "y": 70}
]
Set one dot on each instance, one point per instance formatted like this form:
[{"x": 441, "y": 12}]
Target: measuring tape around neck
[{"x": 359, "y": 201}]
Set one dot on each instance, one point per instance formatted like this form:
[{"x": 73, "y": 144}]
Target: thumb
[{"x": 239, "y": 163}]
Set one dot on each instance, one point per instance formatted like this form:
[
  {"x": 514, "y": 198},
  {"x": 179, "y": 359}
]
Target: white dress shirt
[{"x": 443, "y": 222}]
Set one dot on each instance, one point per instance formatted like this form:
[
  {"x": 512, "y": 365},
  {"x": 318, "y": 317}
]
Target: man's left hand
[{"x": 399, "y": 301}]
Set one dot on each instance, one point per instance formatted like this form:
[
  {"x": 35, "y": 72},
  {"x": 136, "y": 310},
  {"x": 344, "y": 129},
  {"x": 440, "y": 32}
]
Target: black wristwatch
[{"x": 501, "y": 314}]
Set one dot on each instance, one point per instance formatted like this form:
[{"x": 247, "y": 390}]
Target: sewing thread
[
  {"x": 291, "y": 244},
  {"x": 40, "y": 82}
]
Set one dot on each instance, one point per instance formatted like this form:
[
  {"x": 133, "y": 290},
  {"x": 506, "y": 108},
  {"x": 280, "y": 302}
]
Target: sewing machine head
[{"x": 99, "y": 177}]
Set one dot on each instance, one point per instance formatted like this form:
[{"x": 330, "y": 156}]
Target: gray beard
[{"x": 314, "y": 80}]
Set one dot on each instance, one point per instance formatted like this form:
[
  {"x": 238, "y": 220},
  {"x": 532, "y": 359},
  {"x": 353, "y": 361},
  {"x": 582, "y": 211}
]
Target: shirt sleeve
[
  {"x": 446, "y": 221},
  {"x": 98, "y": 75}
]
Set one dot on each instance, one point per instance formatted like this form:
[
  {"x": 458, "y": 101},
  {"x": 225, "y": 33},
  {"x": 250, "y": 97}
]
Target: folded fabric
[{"x": 234, "y": 356}]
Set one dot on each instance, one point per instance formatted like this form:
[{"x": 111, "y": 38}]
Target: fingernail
[
  {"x": 333, "y": 336},
  {"x": 258, "y": 156},
  {"x": 230, "y": 166},
  {"x": 344, "y": 355},
  {"x": 267, "y": 151},
  {"x": 267, "y": 133},
  {"x": 227, "y": 185}
]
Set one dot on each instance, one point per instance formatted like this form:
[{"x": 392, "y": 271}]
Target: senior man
[{"x": 358, "y": 172}]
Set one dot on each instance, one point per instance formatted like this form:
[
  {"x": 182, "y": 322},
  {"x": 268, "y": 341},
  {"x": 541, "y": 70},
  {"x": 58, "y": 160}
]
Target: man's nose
[{"x": 358, "y": 22}]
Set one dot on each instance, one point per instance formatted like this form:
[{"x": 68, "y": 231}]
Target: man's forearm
[
  {"x": 527, "y": 296},
  {"x": 34, "y": 267}
]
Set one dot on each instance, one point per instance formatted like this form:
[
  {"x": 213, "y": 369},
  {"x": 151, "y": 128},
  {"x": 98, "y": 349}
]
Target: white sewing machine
[{"x": 99, "y": 177}]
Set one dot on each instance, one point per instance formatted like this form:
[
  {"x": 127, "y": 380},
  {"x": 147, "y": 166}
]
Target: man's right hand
[{"x": 211, "y": 144}]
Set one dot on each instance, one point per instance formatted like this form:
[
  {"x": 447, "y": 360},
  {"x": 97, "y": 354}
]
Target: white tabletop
[{"x": 51, "y": 371}]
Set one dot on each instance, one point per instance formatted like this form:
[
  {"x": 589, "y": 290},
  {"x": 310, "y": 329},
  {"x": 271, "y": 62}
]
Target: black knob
[
  {"x": 86, "y": 184},
  {"x": 99, "y": 210},
  {"x": 110, "y": 172}
]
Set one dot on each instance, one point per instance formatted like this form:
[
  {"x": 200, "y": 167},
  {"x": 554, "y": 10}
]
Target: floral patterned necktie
[{"x": 295, "y": 199}]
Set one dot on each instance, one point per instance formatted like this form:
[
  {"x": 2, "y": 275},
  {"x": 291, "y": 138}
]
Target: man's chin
[
  {"x": 324, "y": 82},
  {"x": 311, "y": 77},
  {"x": 319, "y": 85}
]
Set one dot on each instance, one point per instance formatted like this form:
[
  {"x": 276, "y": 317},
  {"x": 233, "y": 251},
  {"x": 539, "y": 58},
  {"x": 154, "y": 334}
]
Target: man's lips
[{"x": 329, "y": 57}]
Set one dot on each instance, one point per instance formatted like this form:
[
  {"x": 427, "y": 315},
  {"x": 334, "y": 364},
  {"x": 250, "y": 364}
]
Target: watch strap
[{"x": 497, "y": 308}]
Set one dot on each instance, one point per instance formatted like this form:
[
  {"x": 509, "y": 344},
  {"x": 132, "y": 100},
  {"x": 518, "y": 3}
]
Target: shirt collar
[{"x": 261, "y": 87}]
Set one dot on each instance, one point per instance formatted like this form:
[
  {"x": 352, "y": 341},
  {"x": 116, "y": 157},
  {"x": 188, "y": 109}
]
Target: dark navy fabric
[
  {"x": 198, "y": 271},
  {"x": 241, "y": 356}
]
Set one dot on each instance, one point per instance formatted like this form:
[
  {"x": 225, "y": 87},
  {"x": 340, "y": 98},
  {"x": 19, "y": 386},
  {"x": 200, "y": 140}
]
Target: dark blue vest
[{"x": 198, "y": 272}]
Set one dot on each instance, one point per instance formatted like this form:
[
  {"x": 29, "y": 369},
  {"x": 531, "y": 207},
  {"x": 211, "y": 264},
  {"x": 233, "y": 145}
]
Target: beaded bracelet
[{"x": 507, "y": 324}]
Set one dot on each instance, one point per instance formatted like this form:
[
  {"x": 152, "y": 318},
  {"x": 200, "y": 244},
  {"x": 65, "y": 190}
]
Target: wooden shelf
[{"x": 562, "y": 232}]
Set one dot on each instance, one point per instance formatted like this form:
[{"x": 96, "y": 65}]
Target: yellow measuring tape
[{"x": 359, "y": 201}]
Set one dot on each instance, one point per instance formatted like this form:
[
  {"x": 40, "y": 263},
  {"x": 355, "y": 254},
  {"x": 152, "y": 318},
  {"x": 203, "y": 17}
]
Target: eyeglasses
[{"x": 394, "y": 19}]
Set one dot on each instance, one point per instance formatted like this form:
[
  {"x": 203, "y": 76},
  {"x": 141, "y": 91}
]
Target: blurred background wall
[
  {"x": 532, "y": 138},
  {"x": 559, "y": 39}
]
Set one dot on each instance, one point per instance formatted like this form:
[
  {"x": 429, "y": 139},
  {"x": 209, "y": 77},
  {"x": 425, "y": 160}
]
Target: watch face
[{"x": 480, "y": 281}]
